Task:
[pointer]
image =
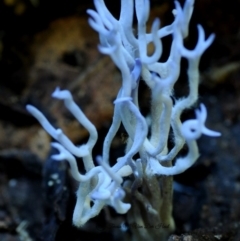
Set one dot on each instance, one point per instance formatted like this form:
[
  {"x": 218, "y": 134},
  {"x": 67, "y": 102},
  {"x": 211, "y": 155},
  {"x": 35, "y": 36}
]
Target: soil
[{"x": 45, "y": 44}]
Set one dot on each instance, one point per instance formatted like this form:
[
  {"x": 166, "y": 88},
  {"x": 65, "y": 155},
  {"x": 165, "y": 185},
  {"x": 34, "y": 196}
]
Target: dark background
[{"x": 44, "y": 44}]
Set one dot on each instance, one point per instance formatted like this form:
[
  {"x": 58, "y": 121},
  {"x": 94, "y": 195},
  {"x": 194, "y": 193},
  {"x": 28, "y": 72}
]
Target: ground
[{"x": 45, "y": 44}]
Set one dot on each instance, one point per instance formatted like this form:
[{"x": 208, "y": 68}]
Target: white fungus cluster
[{"x": 129, "y": 52}]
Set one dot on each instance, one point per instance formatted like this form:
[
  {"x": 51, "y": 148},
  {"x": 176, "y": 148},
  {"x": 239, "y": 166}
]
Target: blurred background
[{"x": 45, "y": 44}]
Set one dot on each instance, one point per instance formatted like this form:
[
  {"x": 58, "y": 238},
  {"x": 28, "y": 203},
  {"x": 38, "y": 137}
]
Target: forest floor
[{"x": 45, "y": 44}]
